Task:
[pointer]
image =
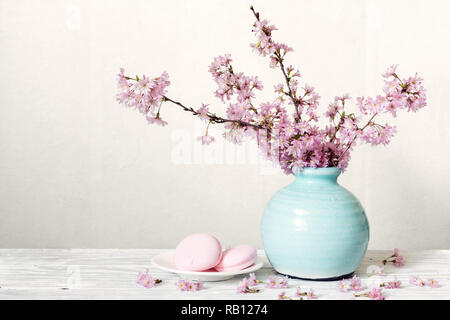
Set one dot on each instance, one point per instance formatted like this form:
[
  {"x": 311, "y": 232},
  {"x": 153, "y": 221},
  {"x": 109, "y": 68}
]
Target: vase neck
[{"x": 318, "y": 175}]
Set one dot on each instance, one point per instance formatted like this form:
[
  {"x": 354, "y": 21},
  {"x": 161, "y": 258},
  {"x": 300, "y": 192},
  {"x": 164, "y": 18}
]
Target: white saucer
[{"x": 165, "y": 262}]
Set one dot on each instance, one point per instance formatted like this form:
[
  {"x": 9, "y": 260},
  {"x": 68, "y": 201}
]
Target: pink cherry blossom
[
  {"x": 245, "y": 285},
  {"x": 311, "y": 295},
  {"x": 390, "y": 71},
  {"x": 396, "y": 259},
  {"x": 376, "y": 294},
  {"x": 188, "y": 285},
  {"x": 286, "y": 127},
  {"x": 432, "y": 283},
  {"x": 399, "y": 261},
  {"x": 181, "y": 285},
  {"x": 156, "y": 120},
  {"x": 282, "y": 296},
  {"x": 355, "y": 283},
  {"x": 231, "y": 83},
  {"x": 146, "y": 280},
  {"x": 272, "y": 282},
  {"x": 277, "y": 282},
  {"x": 203, "y": 112},
  {"x": 342, "y": 285},
  {"x": 205, "y": 140},
  {"x": 395, "y": 284},
  {"x": 414, "y": 280},
  {"x": 252, "y": 281}
]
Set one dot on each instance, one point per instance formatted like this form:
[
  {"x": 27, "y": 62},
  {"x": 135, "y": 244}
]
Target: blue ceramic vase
[{"x": 314, "y": 228}]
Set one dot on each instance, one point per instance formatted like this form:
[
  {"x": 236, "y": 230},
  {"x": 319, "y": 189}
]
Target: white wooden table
[{"x": 112, "y": 273}]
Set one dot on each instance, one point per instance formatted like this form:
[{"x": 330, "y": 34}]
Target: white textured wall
[{"x": 78, "y": 170}]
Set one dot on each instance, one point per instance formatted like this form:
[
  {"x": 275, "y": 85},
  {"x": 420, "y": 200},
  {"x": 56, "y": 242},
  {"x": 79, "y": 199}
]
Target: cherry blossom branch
[
  {"x": 279, "y": 58},
  {"x": 298, "y": 143},
  {"x": 341, "y": 121},
  {"x": 215, "y": 119},
  {"x": 211, "y": 117},
  {"x": 295, "y": 101},
  {"x": 354, "y": 138}
]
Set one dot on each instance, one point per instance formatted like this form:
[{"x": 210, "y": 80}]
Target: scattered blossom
[
  {"x": 282, "y": 296},
  {"x": 373, "y": 294},
  {"x": 146, "y": 280},
  {"x": 354, "y": 284},
  {"x": 396, "y": 259},
  {"x": 432, "y": 283},
  {"x": 277, "y": 282},
  {"x": 246, "y": 285},
  {"x": 310, "y": 295},
  {"x": 188, "y": 285},
  {"x": 342, "y": 285},
  {"x": 376, "y": 294},
  {"x": 414, "y": 280},
  {"x": 395, "y": 284},
  {"x": 252, "y": 281}
]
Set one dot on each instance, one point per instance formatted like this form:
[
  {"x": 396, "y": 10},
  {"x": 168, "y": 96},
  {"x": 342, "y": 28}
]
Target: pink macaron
[
  {"x": 237, "y": 258},
  {"x": 198, "y": 252}
]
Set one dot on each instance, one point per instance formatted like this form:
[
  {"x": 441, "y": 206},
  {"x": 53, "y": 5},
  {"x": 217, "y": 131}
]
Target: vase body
[{"x": 314, "y": 228}]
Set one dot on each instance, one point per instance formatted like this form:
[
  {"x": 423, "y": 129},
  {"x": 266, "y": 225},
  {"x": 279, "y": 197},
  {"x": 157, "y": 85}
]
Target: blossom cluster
[
  {"x": 396, "y": 259},
  {"x": 376, "y": 292},
  {"x": 265, "y": 45},
  {"x": 188, "y": 285},
  {"x": 353, "y": 285},
  {"x": 143, "y": 94},
  {"x": 146, "y": 280},
  {"x": 395, "y": 284},
  {"x": 285, "y": 128},
  {"x": 373, "y": 294},
  {"x": 246, "y": 285},
  {"x": 432, "y": 283},
  {"x": 310, "y": 295},
  {"x": 277, "y": 282}
]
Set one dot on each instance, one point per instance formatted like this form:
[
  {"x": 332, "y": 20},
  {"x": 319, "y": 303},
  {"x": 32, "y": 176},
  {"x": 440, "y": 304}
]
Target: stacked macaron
[{"x": 203, "y": 252}]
